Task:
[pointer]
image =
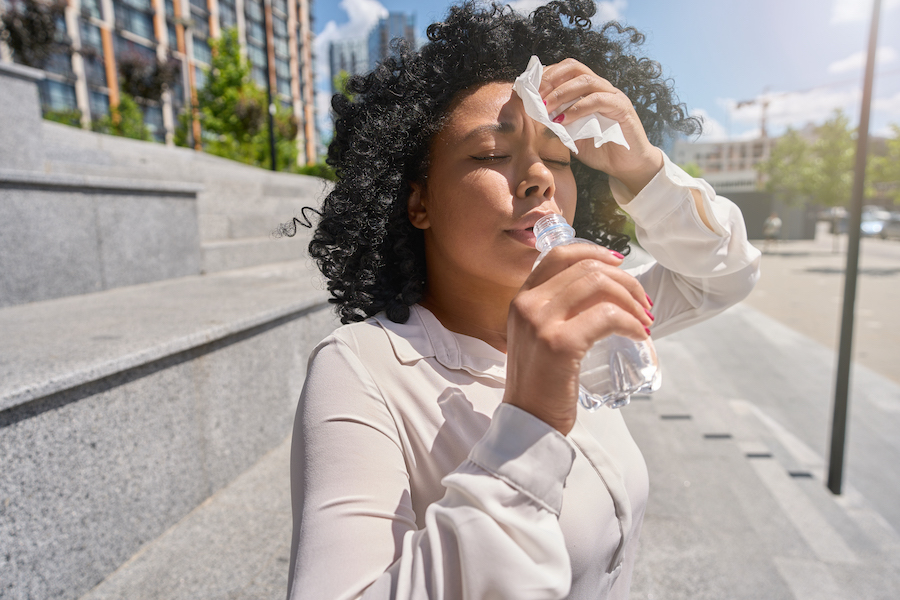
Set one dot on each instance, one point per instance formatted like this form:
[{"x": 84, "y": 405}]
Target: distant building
[
  {"x": 275, "y": 34},
  {"x": 351, "y": 56},
  {"x": 360, "y": 55},
  {"x": 395, "y": 25},
  {"x": 729, "y": 166}
]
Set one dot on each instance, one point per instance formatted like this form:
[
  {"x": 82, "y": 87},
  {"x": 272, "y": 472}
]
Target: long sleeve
[
  {"x": 698, "y": 271},
  {"x": 495, "y": 533}
]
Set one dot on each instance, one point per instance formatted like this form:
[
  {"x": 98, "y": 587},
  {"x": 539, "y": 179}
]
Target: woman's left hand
[{"x": 569, "y": 81}]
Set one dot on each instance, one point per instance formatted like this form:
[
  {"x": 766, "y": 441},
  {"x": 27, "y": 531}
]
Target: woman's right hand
[{"x": 576, "y": 296}]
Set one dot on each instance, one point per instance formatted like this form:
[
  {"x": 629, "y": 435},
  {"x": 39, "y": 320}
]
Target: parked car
[
  {"x": 873, "y": 221},
  {"x": 891, "y": 227}
]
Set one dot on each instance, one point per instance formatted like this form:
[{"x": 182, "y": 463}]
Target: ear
[{"x": 415, "y": 206}]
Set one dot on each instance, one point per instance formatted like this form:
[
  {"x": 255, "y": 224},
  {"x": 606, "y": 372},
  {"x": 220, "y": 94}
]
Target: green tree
[
  {"x": 125, "y": 120},
  {"x": 233, "y": 112},
  {"x": 821, "y": 171},
  {"x": 885, "y": 169}
]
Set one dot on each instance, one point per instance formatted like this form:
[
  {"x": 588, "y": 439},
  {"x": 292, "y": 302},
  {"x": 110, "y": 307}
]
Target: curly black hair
[{"x": 364, "y": 244}]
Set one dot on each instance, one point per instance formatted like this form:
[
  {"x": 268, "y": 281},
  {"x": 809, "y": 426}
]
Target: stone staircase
[{"x": 153, "y": 338}]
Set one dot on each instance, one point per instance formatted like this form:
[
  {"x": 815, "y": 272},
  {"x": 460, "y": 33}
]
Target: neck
[{"x": 470, "y": 312}]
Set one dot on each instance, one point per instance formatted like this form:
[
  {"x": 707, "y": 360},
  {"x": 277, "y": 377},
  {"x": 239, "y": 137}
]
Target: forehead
[{"x": 491, "y": 102}]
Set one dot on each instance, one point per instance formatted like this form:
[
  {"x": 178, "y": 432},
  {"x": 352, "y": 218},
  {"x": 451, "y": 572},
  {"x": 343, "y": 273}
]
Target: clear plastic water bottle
[{"x": 616, "y": 367}]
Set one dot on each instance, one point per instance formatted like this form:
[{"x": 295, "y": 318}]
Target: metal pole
[
  {"x": 842, "y": 385},
  {"x": 267, "y": 7}
]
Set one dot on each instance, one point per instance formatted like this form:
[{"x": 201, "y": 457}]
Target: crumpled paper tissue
[{"x": 601, "y": 129}]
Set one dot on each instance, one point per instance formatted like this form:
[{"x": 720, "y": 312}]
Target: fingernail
[
  {"x": 649, "y": 301},
  {"x": 652, "y": 318},
  {"x": 647, "y": 329},
  {"x": 545, "y": 103},
  {"x": 559, "y": 118},
  {"x": 616, "y": 254}
]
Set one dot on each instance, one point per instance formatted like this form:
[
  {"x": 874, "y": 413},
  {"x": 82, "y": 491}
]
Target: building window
[
  {"x": 99, "y": 103},
  {"x": 202, "y": 51},
  {"x": 153, "y": 119},
  {"x": 200, "y": 77},
  {"x": 201, "y": 4},
  {"x": 227, "y": 16},
  {"x": 170, "y": 8},
  {"x": 201, "y": 26},
  {"x": 284, "y": 87},
  {"x": 259, "y": 76},
  {"x": 280, "y": 5},
  {"x": 257, "y": 56},
  {"x": 135, "y": 21},
  {"x": 173, "y": 36},
  {"x": 92, "y": 8},
  {"x": 57, "y": 96},
  {"x": 253, "y": 9},
  {"x": 256, "y": 32}
]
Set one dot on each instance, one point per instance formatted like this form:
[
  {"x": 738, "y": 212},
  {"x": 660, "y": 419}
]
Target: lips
[{"x": 523, "y": 236}]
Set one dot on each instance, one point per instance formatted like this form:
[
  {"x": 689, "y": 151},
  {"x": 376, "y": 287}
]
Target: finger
[
  {"x": 603, "y": 320},
  {"x": 563, "y": 257},
  {"x": 562, "y": 71},
  {"x": 590, "y": 282},
  {"x": 614, "y": 105}
]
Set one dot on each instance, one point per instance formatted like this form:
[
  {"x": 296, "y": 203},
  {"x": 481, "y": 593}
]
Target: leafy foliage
[
  {"x": 822, "y": 169},
  {"x": 886, "y": 169},
  {"x": 233, "y": 112},
  {"x": 319, "y": 169},
  {"x": 143, "y": 77},
  {"x": 30, "y": 29},
  {"x": 66, "y": 117},
  {"x": 125, "y": 120}
]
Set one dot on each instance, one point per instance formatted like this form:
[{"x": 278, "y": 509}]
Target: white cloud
[
  {"x": 794, "y": 109},
  {"x": 847, "y": 11},
  {"x": 608, "y": 10},
  {"x": 889, "y": 106},
  {"x": 713, "y": 131},
  {"x": 855, "y": 62}
]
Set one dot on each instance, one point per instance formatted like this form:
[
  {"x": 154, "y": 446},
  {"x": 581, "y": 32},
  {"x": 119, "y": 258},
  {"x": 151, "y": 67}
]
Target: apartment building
[{"x": 275, "y": 34}]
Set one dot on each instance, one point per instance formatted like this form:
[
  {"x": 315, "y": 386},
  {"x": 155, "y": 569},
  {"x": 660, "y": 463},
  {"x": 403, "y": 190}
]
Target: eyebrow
[{"x": 503, "y": 127}]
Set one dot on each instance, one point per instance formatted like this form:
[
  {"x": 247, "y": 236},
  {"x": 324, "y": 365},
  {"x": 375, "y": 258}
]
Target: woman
[{"x": 438, "y": 449}]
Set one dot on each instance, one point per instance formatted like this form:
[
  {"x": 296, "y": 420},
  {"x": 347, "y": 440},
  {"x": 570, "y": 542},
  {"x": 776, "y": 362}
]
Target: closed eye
[{"x": 490, "y": 158}]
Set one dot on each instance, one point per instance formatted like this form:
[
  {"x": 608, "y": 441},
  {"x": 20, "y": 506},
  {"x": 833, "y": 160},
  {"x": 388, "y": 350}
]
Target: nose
[{"x": 536, "y": 180}]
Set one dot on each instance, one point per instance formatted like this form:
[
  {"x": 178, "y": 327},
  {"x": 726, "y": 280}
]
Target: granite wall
[
  {"x": 92, "y": 473},
  {"x": 62, "y": 235}
]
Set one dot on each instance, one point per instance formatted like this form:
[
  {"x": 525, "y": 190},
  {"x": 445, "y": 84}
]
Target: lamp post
[{"x": 842, "y": 384}]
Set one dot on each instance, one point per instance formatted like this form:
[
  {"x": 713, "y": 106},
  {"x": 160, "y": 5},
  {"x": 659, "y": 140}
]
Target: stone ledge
[
  {"x": 21, "y": 71},
  {"x": 36, "y": 179},
  {"x": 59, "y": 344}
]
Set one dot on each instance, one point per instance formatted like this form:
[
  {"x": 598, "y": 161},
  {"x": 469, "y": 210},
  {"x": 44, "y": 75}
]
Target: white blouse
[{"x": 412, "y": 480}]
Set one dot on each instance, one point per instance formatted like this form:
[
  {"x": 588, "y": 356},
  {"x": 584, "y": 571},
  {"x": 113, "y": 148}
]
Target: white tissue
[{"x": 602, "y": 129}]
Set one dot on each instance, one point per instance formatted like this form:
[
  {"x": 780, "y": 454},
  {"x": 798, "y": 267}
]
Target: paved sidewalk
[{"x": 735, "y": 443}]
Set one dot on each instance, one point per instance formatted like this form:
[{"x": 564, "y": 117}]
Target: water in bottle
[{"x": 616, "y": 367}]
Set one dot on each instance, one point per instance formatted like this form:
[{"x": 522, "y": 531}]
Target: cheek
[{"x": 567, "y": 195}]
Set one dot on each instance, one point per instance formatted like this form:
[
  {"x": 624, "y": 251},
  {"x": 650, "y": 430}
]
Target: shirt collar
[{"x": 423, "y": 336}]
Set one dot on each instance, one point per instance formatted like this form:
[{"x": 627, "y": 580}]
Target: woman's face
[{"x": 493, "y": 173}]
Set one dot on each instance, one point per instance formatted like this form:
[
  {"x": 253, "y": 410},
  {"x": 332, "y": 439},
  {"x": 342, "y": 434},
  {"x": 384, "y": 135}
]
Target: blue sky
[{"x": 805, "y": 56}]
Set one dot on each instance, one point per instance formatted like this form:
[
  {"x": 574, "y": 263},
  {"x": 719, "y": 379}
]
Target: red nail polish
[
  {"x": 652, "y": 318},
  {"x": 545, "y": 103},
  {"x": 647, "y": 329},
  {"x": 616, "y": 254},
  {"x": 559, "y": 118},
  {"x": 649, "y": 301}
]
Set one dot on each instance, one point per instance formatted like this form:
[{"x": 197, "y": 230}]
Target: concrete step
[
  {"x": 225, "y": 255},
  {"x": 123, "y": 410}
]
